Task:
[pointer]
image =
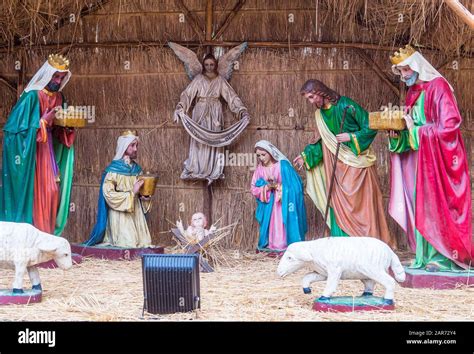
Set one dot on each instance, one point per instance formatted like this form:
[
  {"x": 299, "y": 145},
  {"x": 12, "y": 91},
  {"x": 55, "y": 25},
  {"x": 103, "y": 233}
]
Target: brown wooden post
[
  {"x": 207, "y": 193},
  {"x": 463, "y": 13},
  {"x": 271, "y": 44},
  {"x": 192, "y": 20},
  {"x": 209, "y": 23},
  {"x": 229, "y": 18},
  {"x": 378, "y": 71},
  {"x": 207, "y": 202}
]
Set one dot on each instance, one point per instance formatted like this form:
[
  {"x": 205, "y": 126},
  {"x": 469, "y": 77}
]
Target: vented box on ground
[{"x": 171, "y": 283}]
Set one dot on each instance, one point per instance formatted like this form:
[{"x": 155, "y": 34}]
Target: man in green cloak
[
  {"x": 38, "y": 157},
  {"x": 356, "y": 207}
]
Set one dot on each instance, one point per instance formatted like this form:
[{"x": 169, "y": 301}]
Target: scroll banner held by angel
[{"x": 205, "y": 126}]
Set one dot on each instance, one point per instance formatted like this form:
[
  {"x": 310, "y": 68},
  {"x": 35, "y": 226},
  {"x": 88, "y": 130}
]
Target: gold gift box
[
  {"x": 387, "y": 120},
  {"x": 71, "y": 118}
]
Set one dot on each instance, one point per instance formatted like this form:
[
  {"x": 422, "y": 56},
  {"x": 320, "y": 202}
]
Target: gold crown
[
  {"x": 402, "y": 54},
  {"x": 129, "y": 132},
  {"x": 59, "y": 62}
]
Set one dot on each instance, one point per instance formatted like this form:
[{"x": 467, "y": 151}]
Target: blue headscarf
[{"x": 293, "y": 209}]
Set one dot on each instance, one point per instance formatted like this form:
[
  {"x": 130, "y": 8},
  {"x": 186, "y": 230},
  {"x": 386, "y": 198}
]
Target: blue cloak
[
  {"x": 293, "y": 209},
  {"x": 121, "y": 168}
]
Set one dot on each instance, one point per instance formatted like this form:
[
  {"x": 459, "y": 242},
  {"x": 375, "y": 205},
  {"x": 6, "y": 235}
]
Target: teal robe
[{"x": 19, "y": 162}]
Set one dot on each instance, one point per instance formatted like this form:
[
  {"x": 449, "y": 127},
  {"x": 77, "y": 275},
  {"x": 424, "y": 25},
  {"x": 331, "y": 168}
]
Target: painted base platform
[
  {"x": 351, "y": 304},
  {"x": 29, "y": 296},
  {"x": 114, "y": 253},
  {"x": 76, "y": 259},
  {"x": 420, "y": 278}
]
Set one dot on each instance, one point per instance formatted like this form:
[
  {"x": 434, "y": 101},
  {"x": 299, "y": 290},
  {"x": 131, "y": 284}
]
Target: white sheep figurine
[
  {"x": 22, "y": 246},
  {"x": 335, "y": 258}
]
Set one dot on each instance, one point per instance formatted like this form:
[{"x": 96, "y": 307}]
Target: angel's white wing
[
  {"x": 190, "y": 60},
  {"x": 226, "y": 62}
]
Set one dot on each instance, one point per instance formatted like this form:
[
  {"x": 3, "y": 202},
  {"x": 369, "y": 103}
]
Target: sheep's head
[
  {"x": 62, "y": 255},
  {"x": 294, "y": 258}
]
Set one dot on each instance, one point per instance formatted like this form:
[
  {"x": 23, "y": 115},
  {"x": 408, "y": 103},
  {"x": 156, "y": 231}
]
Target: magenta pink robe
[{"x": 277, "y": 233}]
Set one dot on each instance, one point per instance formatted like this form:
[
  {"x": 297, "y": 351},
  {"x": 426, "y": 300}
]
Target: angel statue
[{"x": 208, "y": 136}]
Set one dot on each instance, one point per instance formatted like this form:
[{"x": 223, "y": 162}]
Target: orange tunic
[
  {"x": 46, "y": 189},
  {"x": 357, "y": 200}
]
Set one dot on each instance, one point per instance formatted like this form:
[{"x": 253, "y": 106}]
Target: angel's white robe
[{"x": 204, "y": 162}]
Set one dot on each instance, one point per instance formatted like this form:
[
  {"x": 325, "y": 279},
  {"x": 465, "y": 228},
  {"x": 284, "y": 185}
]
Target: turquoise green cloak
[{"x": 19, "y": 162}]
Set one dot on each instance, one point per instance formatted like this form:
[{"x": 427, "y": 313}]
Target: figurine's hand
[
  {"x": 175, "y": 117},
  {"x": 342, "y": 138},
  {"x": 298, "y": 162},
  {"x": 409, "y": 121},
  {"x": 137, "y": 186},
  {"x": 246, "y": 115},
  {"x": 178, "y": 112},
  {"x": 145, "y": 198},
  {"x": 48, "y": 116},
  {"x": 212, "y": 228},
  {"x": 393, "y": 134},
  {"x": 272, "y": 186},
  {"x": 179, "y": 225}
]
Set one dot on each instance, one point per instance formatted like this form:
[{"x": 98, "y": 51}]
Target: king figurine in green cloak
[{"x": 38, "y": 157}]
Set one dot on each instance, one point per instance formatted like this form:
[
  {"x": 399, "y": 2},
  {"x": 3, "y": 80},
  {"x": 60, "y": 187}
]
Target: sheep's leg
[
  {"x": 34, "y": 278},
  {"x": 369, "y": 286},
  {"x": 331, "y": 285},
  {"x": 311, "y": 278},
  {"x": 388, "y": 283},
  {"x": 20, "y": 269}
]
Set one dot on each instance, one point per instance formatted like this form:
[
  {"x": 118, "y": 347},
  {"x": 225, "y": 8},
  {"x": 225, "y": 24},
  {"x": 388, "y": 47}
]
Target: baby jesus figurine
[{"x": 197, "y": 230}]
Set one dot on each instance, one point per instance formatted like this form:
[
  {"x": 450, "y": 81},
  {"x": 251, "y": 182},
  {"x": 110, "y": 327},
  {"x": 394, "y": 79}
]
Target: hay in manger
[{"x": 209, "y": 247}]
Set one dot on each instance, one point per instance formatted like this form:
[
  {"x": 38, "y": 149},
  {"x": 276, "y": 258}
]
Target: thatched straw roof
[
  {"x": 24, "y": 23},
  {"x": 424, "y": 23}
]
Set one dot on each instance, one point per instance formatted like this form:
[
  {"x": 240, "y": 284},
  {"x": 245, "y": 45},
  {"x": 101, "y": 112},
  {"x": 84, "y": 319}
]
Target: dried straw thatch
[
  {"x": 122, "y": 67},
  {"x": 427, "y": 23},
  {"x": 248, "y": 291},
  {"x": 27, "y": 22}
]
